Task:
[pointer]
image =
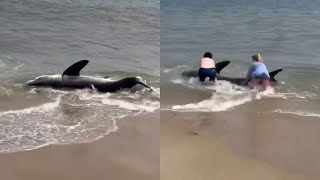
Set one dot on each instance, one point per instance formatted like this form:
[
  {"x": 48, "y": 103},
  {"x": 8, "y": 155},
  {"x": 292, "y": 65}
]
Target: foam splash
[
  {"x": 5, "y": 91},
  {"x": 193, "y": 83},
  {"x": 227, "y": 95},
  {"x": 41, "y": 108},
  {"x": 190, "y": 82},
  {"x": 224, "y": 96},
  {"x": 144, "y": 106},
  {"x": 298, "y": 95},
  {"x": 214, "y": 104},
  {"x": 173, "y": 69},
  {"x": 305, "y": 114},
  {"x": 73, "y": 117},
  {"x": 156, "y": 92}
]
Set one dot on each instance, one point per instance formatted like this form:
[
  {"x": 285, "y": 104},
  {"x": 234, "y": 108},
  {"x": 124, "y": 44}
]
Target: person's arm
[
  {"x": 250, "y": 71},
  {"x": 249, "y": 74}
]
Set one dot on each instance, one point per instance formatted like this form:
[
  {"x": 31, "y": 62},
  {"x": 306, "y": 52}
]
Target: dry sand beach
[
  {"x": 205, "y": 146},
  {"x": 130, "y": 153}
]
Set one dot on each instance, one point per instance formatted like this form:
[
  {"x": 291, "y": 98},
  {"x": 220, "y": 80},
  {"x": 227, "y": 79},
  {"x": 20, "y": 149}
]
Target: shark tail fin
[
  {"x": 146, "y": 86},
  {"x": 273, "y": 74},
  {"x": 140, "y": 81}
]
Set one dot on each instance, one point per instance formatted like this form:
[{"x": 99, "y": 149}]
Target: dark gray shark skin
[
  {"x": 233, "y": 80},
  {"x": 71, "y": 79}
]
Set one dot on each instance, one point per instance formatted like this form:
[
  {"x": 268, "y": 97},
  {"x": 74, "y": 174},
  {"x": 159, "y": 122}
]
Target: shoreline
[{"x": 132, "y": 152}]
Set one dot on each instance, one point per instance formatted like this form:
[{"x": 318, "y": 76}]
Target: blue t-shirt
[{"x": 258, "y": 70}]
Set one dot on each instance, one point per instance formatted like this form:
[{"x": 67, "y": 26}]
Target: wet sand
[
  {"x": 238, "y": 145},
  {"x": 130, "y": 153}
]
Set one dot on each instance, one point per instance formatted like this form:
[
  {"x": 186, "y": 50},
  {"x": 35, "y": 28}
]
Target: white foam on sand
[
  {"x": 224, "y": 96},
  {"x": 213, "y": 104},
  {"x": 305, "y": 114},
  {"x": 298, "y": 95},
  {"x": 72, "y": 117}
]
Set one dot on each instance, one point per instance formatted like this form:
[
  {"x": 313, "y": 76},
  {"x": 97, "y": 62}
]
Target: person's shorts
[
  {"x": 207, "y": 72},
  {"x": 263, "y": 76},
  {"x": 261, "y": 84}
]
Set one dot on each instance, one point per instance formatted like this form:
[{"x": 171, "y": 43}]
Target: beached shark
[
  {"x": 233, "y": 80},
  {"x": 71, "y": 79}
]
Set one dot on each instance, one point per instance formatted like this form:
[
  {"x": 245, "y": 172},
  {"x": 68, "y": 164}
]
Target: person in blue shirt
[{"x": 258, "y": 74}]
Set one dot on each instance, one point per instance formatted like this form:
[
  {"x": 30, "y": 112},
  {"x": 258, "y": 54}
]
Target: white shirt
[{"x": 207, "y": 63}]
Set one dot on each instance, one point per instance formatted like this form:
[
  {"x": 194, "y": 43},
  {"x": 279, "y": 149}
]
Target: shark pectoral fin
[
  {"x": 221, "y": 65},
  {"x": 74, "y": 70}
]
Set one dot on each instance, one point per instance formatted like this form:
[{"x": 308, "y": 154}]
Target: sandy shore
[
  {"x": 210, "y": 146},
  {"x": 130, "y": 153}
]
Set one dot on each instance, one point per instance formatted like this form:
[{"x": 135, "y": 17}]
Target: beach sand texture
[{"x": 193, "y": 149}]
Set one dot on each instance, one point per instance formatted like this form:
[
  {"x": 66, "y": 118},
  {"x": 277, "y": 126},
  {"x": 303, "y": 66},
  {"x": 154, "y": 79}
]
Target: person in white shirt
[{"x": 207, "y": 67}]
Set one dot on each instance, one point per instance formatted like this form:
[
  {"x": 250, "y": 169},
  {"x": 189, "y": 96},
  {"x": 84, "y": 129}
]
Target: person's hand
[{"x": 245, "y": 83}]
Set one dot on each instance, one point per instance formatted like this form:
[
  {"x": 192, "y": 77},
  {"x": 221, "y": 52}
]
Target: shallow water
[{"x": 234, "y": 30}]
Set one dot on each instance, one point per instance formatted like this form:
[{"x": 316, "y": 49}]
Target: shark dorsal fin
[
  {"x": 74, "y": 70},
  {"x": 274, "y": 73},
  {"x": 221, "y": 65}
]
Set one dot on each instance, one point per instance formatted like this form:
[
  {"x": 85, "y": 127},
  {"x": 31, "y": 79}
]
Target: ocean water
[
  {"x": 39, "y": 37},
  {"x": 284, "y": 32}
]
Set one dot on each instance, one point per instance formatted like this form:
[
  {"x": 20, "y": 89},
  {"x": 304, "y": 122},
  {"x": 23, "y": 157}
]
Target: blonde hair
[{"x": 257, "y": 57}]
